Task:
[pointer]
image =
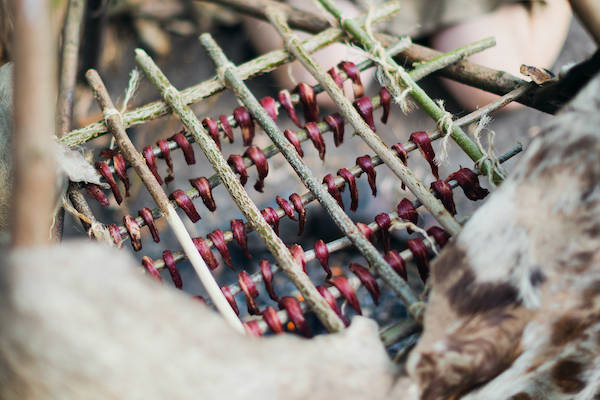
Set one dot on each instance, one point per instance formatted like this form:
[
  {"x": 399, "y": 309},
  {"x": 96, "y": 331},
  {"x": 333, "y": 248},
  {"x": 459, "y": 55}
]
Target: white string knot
[
  {"x": 132, "y": 85},
  {"x": 109, "y": 112},
  {"x": 446, "y": 125},
  {"x": 489, "y": 154}
]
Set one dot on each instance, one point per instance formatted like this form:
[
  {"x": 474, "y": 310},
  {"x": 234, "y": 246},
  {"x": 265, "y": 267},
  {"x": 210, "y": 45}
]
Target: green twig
[
  {"x": 230, "y": 76},
  {"x": 175, "y": 100}
]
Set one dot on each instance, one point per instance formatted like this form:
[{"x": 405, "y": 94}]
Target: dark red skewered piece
[
  {"x": 96, "y": 193},
  {"x": 336, "y": 124},
  {"x": 185, "y": 203},
  {"x": 150, "y": 268},
  {"x": 238, "y": 229},
  {"x": 368, "y": 281},
  {"x": 249, "y": 288},
  {"x": 314, "y": 133},
  {"x": 351, "y": 181},
  {"x": 213, "y": 128},
  {"x": 406, "y": 211},
  {"x": 403, "y": 155},
  {"x": 286, "y": 207},
  {"x": 230, "y": 299},
  {"x": 365, "y": 230},
  {"x": 386, "y": 99},
  {"x": 170, "y": 263},
  {"x": 291, "y": 136},
  {"x": 299, "y": 207},
  {"x": 354, "y": 74},
  {"x": 165, "y": 153},
  {"x": 366, "y": 164},
  {"x": 121, "y": 171},
  {"x": 268, "y": 103},
  {"x": 342, "y": 284},
  {"x": 298, "y": 254},
  {"x": 205, "y": 252},
  {"x": 202, "y": 185},
  {"x": 443, "y": 191},
  {"x": 333, "y": 71},
  {"x": 469, "y": 182},
  {"x": 294, "y": 311},
  {"x": 439, "y": 235},
  {"x": 148, "y": 218},
  {"x": 285, "y": 99},
  {"x": 237, "y": 163},
  {"x": 333, "y": 190},
  {"x": 226, "y": 127},
  {"x": 322, "y": 254},
  {"x": 421, "y": 139},
  {"x": 133, "y": 229},
  {"x": 104, "y": 170},
  {"x": 115, "y": 235},
  {"x": 384, "y": 222},
  {"x": 365, "y": 108},
  {"x": 309, "y": 102},
  {"x": 262, "y": 166},
  {"x": 397, "y": 263},
  {"x": 270, "y": 215},
  {"x": 419, "y": 251},
  {"x": 267, "y": 274},
  {"x": 186, "y": 147},
  {"x": 218, "y": 240},
  {"x": 272, "y": 319},
  {"x": 244, "y": 120},
  {"x": 332, "y": 303}
]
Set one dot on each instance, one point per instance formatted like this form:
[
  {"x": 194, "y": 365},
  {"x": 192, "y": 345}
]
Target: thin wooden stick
[
  {"x": 64, "y": 103},
  {"x": 388, "y": 156},
  {"x": 68, "y": 67},
  {"x": 265, "y": 63},
  {"x": 279, "y": 250},
  {"x": 230, "y": 76},
  {"x": 113, "y": 121},
  {"x": 34, "y": 189}
]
